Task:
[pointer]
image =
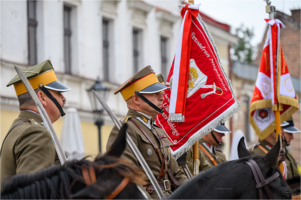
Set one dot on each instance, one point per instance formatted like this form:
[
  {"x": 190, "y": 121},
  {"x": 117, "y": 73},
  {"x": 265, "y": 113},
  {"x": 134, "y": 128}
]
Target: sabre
[
  {"x": 133, "y": 147},
  {"x": 44, "y": 115}
]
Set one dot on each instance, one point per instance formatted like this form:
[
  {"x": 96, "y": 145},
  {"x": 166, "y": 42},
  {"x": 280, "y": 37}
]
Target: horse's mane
[{"x": 56, "y": 181}]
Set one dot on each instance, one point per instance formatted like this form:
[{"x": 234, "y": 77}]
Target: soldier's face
[
  {"x": 288, "y": 137},
  {"x": 156, "y": 99},
  {"x": 51, "y": 109},
  {"x": 219, "y": 137}
]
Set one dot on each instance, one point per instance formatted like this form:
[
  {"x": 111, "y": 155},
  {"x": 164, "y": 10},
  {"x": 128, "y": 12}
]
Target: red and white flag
[
  {"x": 200, "y": 95},
  {"x": 273, "y": 85}
]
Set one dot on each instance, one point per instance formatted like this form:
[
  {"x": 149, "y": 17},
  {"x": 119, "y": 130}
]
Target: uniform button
[
  {"x": 187, "y": 162},
  {"x": 35, "y": 123}
]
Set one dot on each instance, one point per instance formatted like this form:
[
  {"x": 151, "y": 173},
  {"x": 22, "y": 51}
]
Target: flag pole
[
  {"x": 196, "y": 145},
  {"x": 271, "y": 10}
]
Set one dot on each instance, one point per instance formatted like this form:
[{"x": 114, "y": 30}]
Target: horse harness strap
[
  {"x": 163, "y": 159},
  {"x": 120, "y": 187},
  {"x": 90, "y": 178},
  {"x": 262, "y": 182},
  {"x": 208, "y": 154}
]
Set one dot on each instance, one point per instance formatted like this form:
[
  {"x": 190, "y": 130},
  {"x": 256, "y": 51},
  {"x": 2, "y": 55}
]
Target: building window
[
  {"x": 32, "y": 32},
  {"x": 67, "y": 38},
  {"x": 164, "y": 59},
  {"x": 106, "y": 48},
  {"x": 137, "y": 49}
]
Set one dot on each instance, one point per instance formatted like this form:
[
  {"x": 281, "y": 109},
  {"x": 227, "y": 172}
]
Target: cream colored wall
[{"x": 89, "y": 130}]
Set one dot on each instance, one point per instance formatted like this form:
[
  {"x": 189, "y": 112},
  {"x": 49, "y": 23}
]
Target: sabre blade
[
  {"x": 44, "y": 115},
  {"x": 133, "y": 146}
]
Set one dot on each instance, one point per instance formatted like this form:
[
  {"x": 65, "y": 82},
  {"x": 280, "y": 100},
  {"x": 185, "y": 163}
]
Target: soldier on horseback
[
  {"x": 142, "y": 93},
  {"x": 210, "y": 154},
  {"x": 28, "y": 145}
]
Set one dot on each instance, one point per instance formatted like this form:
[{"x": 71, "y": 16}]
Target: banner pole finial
[{"x": 270, "y": 9}]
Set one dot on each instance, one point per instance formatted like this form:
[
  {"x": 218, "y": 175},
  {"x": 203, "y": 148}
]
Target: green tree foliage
[{"x": 243, "y": 50}]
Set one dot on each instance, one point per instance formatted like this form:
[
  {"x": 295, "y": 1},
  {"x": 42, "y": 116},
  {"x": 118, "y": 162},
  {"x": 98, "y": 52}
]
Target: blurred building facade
[
  {"x": 243, "y": 78},
  {"x": 84, "y": 40}
]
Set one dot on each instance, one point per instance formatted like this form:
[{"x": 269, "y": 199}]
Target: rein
[
  {"x": 90, "y": 178},
  {"x": 260, "y": 181}
]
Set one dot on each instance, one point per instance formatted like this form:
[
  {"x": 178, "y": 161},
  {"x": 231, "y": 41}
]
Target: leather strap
[
  {"x": 120, "y": 187},
  {"x": 162, "y": 171},
  {"x": 262, "y": 182},
  {"x": 53, "y": 99},
  {"x": 160, "y": 110},
  {"x": 215, "y": 138},
  {"x": 89, "y": 176},
  {"x": 263, "y": 149},
  {"x": 208, "y": 154},
  {"x": 10, "y": 130},
  {"x": 163, "y": 160}
]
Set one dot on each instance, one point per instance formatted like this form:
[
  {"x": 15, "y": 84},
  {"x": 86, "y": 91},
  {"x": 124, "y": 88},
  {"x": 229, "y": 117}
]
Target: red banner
[{"x": 209, "y": 98}]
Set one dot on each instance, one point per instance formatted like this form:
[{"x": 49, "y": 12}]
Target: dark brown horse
[
  {"x": 235, "y": 180},
  {"x": 106, "y": 177}
]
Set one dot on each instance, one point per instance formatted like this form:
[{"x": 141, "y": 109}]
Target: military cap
[
  {"x": 145, "y": 82},
  {"x": 222, "y": 129},
  {"x": 160, "y": 78},
  {"x": 42, "y": 73},
  {"x": 290, "y": 128}
]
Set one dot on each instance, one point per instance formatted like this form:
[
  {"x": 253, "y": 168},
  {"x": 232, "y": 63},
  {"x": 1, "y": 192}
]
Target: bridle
[
  {"x": 90, "y": 178},
  {"x": 260, "y": 181}
]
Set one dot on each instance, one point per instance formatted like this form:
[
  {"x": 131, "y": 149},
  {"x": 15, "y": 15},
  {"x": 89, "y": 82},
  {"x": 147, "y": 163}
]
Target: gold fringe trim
[
  {"x": 267, "y": 103},
  {"x": 275, "y": 107},
  {"x": 288, "y": 101},
  {"x": 268, "y": 130}
]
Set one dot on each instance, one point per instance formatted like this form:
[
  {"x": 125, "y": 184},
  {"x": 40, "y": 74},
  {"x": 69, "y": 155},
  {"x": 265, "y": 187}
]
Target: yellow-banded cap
[
  {"x": 145, "y": 81},
  {"x": 42, "y": 73}
]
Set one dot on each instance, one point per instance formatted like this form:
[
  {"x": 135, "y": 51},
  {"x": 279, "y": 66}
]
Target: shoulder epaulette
[{"x": 125, "y": 118}]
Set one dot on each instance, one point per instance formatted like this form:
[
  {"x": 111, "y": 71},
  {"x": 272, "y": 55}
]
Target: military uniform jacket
[
  {"x": 146, "y": 148},
  {"x": 214, "y": 152},
  {"x": 203, "y": 165},
  {"x": 27, "y": 148},
  {"x": 292, "y": 167}
]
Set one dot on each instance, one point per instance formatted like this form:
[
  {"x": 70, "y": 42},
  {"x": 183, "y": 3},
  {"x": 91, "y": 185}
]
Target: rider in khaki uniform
[
  {"x": 209, "y": 153},
  {"x": 288, "y": 131},
  {"x": 28, "y": 145},
  {"x": 142, "y": 93}
]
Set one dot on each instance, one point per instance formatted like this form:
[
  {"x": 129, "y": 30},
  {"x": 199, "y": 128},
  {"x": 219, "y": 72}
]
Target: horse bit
[
  {"x": 263, "y": 182},
  {"x": 90, "y": 178}
]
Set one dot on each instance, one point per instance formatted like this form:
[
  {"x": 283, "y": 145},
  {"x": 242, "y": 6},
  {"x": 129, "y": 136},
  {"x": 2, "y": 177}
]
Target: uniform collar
[
  {"x": 29, "y": 114},
  {"x": 208, "y": 146},
  {"x": 266, "y": 144},
  {"x": 145, "y": 119}
]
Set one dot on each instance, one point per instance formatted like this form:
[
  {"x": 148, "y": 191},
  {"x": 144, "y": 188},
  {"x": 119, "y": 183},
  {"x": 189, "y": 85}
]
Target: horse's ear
[
  {"x": 242, "y": 149},
  {"x": 119, "y": 144},
  {"x": 271, "y": 158}
]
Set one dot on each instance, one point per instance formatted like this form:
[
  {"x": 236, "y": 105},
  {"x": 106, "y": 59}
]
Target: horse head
[
  {"x": 269, "y": 170},
  {"x": 106, "y": 177}
]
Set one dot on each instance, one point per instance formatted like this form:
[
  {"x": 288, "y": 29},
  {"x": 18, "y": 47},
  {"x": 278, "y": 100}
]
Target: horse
[
  {"x": 235, "y": 180},
  {"x": 107, "y": 177}
]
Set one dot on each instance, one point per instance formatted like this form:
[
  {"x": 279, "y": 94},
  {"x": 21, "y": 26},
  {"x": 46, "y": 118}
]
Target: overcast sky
[{"x": 251, "y": 13}]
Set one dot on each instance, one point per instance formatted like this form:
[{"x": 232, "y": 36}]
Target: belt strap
[
  {"x": 163, "y": 159},
  {"x": 10, "y": 130},
  {"x": 208, "y": 154},
  {"x": 263, "y": 149}
]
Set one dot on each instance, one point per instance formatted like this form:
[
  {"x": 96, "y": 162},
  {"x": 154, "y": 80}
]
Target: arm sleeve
[
  {"x": 34, "y": 150},
  {"x": 128, "y": 153},
  {"x": 177, "y": 171}
]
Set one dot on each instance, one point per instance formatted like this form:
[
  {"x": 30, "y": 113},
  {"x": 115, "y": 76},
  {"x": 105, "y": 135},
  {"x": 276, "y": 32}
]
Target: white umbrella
[
  {"x": 72, "y": 138},
  {"x": 235, "y": 140}
]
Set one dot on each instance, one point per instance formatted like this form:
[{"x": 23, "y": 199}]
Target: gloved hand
[{"x": 281, "y": 156}]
